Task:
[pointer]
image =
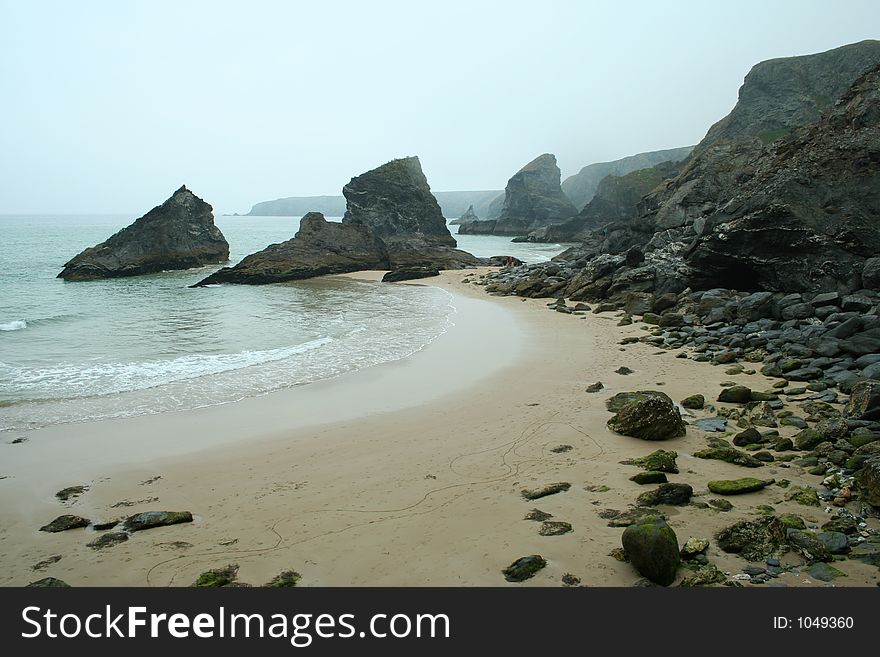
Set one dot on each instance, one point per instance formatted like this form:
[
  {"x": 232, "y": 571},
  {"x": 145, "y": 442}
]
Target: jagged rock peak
[
  {"x": 396, "y": 202},
  {"x": 179, "y": 234}
]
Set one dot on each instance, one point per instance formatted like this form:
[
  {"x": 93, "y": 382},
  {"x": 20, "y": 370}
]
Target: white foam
[{"x": 14, "y": 325}]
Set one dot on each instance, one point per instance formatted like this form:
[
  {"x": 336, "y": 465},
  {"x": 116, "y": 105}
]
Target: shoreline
[{"x": 418, "y": 494}]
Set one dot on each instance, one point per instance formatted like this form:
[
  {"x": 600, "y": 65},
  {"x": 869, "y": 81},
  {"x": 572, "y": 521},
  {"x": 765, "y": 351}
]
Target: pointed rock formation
[
  {"x": 533, "y": 199},
  {"x": 466, "y": 217},
  {"x": 179, "y": 234},
  {"x": 320, "y": 247}
]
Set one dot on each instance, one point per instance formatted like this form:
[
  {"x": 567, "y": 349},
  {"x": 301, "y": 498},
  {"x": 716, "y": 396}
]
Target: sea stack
[
  {"x": 179, "y": 234},
  {"x": 533, "y": 199}
]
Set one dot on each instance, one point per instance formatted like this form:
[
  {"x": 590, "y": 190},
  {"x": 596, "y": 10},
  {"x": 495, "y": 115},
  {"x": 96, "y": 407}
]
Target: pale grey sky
[{"x": 110, "y": 106}]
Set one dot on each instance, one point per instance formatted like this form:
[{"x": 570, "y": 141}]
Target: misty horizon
[{"x": 110, "y": 107}]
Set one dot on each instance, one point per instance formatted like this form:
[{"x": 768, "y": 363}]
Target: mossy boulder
[
  {"x": 808, "y": 544},
  {"x": 864, "y": 401},
  {"x": 64, "y": 523},
  {"x": 720, "y": 504},
  {"x": 659, "y": 461},
  {"x": 151, "y": 519},
  {"x": 694, "y": 546},
  {"x": 651, "y": 546},
  {"x": 217, "y": 577},
  {"x": 868, "y": 480},
  {"x": 670, "y": 494},
  {"x": 845, "y": 524},
  {"x": 803, "y": 495},
  {"x": 738, "y": 486},
  {"x": 792, "y": 521},
  {"x": 721, "y": 450},
  {"x": 750, "y": 436},
  {"x": 652, "y": 418},
  {"x": 284, "y": 580},
  {"x": 823, "y": 572},
  {"x": 704, "y": 576},
  {"x": 649, "y": 477},
  {"x": 621, "y": 399},
  {"x": 736, "y": 395},
  {"x": 631, "y": 516},
  {"x": 524, "y": 568},
  {"x": 49, "y": 583},
  {"x": 694, "y": 402},
  {"x": 754, "y": 540}
]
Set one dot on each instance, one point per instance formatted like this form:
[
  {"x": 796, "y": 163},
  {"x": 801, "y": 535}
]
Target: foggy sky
[{"x": 110, "y": 106}]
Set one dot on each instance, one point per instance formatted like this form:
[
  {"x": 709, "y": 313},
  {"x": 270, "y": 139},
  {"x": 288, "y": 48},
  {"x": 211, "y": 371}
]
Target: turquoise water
[{"x": 77, "y": 351}]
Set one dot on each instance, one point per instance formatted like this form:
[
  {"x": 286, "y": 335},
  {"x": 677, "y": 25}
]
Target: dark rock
[
  {"x": 65, "y": 522},
  {"x": 286, "y": 579},
  {"x": 524, "y": 568},
  {"x": 670, "y": 494},
  {"x": 102, "y": 526},
  {"x": 544, "y": 491},
  {"x": 71, "y": 492},
  {"x": 868, "y": 479},
  {"x": 807, "y": 544},
  {"x": 736, "y": 395},
  {"x": 623, "y": 371},
  {"x": 409, "y": 273},
  {"x": 836, "y": 542},
  {"x": 803, "y": 495},
  {"x": 720, "y": 504},
  {"x": 151, "y": 519},
  {"x": 595, "y": 387},
  {"x": 754, "y": 540},
  {"x": 823, "y": 572},
  {"x": 49, "y": 582},
  {"x": 217, "y": 577},
  {"x": 554, "y": 528},
  {"x": 537, "y": 515},
  {"x": 750, "y": 436},
  {"x": 108, "y": 540},
  {"x": 864, "y": 401},
  {"x": 871, "y": 273},
  {"x": 179, "y": 234},
  {"x": 808, "y": 439},
  {"x": 654, "y": 417},
  {"x": 694, "y": 402},
  {"x": 652, "y": 548},
  {"x": 711, "y": 424}
]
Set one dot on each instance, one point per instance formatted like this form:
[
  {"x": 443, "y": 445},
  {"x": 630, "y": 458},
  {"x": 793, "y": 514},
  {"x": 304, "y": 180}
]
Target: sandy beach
[{"x": 403, "y": 474}]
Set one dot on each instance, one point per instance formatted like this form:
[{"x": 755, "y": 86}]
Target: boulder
[
  {"x": 864, "y": 401},
  {"x": 671, "y": 494},
  {"x": 753, "y": 540},
  {"x": 871, "y": 274},
  {"x": 651, "y": 546},
  {"x": 524, "y": 568},
  {"x": 736, "y": 395},
  {"x": 151, "y": 519},
  {"x": 65, "y": 522},
  {"x": 868, "y": 479},
  {"x": 653, "y": 417},
  {"x": 738, "y": 486},
  {"x": 409, "y": 274},
  {"x": 179, "y": 234},
  {"x": 658, "y": 461}
]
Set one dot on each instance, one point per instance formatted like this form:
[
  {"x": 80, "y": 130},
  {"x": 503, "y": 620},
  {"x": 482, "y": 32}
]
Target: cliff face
[
  {"x": 809, "y": 216},
  {"x": 179, "y": 234},
  {"x": 582, "y": 186},
  {"x": 533, "y": 199},
  {"x": 319, "y": 247},
  {"x": 780, "y": 94},
  {"x": 615, "y": 202}
]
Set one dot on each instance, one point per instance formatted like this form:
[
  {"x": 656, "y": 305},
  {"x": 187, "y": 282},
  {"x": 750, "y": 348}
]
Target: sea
[{"x": 78, "y": 351}]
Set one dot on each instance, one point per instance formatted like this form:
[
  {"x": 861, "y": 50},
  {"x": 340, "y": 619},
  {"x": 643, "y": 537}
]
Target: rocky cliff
[
  {"x": 533, "y": 199},
  {"x": 179, "y": 234},
  {"x": 319, "y": 247},
  {"x": 608, "y": 217},
  {"x": 582, "y": 186},
  {"x": 466, "y": 217},
  {"x": 795, "y": 214}
]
